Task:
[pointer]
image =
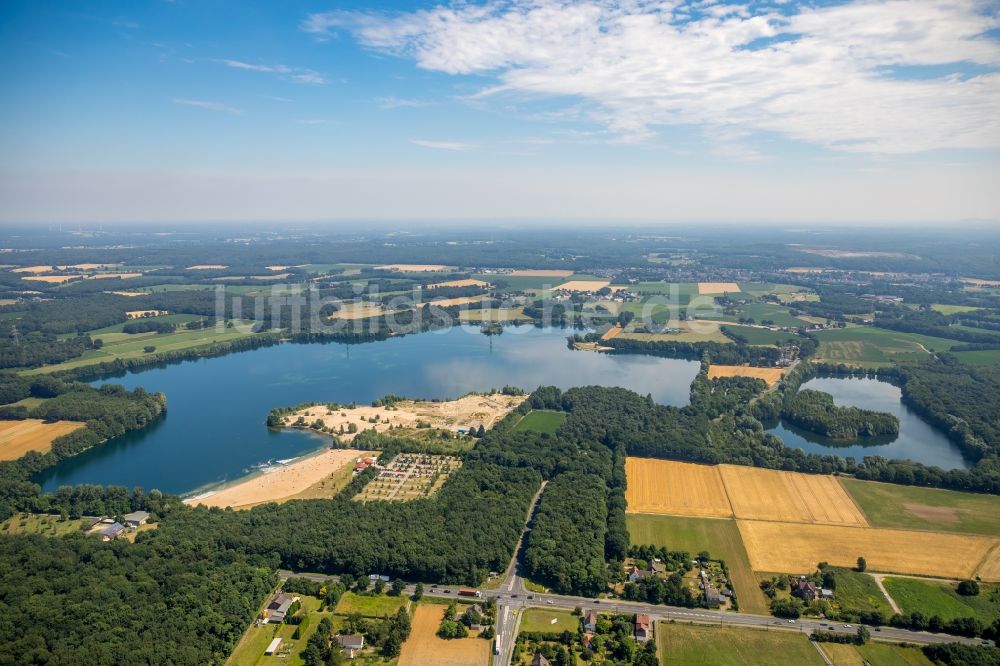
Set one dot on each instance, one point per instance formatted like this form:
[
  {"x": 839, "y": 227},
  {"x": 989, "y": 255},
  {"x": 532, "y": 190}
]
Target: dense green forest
[{"x": 815, "y": 411}]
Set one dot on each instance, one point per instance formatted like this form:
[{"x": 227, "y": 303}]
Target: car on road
[
  {"x": 531, "y": 596},
  {"x": 447, "y": 591},
  {"x": 549, "y": 602},
  {"x": 791, "y": 622},
  {"x": 847, "y": 626}
]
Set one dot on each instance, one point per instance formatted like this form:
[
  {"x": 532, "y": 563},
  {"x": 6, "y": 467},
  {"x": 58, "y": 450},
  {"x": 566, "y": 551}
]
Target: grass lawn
[
  {"x": 941, "y": 599},
  {"x": 250, "y": 650},
  {"x": 176, "y": 319},
  {"x": 541, "y": 421},
  {"x": 720, "y": 537},
  {"x": 724, "y": 646},
  {"x": 872, "y": 347},
  {"x": 858, "y": 591},
  {"x": 124, "y": 346},
  {"x": 701, "y": 331},
  {"x": 27, "y": 523},
  {"x": 540, "y": 619},
  {"x": 887, "y": 654},
  {"x": 891, "y": 505},
  {"x": 370, "y": 606}
]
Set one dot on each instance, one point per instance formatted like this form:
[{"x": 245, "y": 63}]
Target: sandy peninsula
[{"x": 280, "y": 482}]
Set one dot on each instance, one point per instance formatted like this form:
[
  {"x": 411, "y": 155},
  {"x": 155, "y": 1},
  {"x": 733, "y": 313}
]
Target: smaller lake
[{"x": 917, "y": 440}]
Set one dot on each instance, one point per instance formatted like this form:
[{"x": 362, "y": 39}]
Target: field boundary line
[
  {"x": 678, "y": 515},
  {"x": 854, "y": 501},
  {"x": 732, "y": 508},
  {"x": 985, "y": 558},
  {"x": 822, "y": 655}
]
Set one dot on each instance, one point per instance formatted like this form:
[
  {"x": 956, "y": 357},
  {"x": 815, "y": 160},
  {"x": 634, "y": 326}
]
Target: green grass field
[
  {"x": 952, "y": 309},
  {"x": 370, "y": 606},
  {"x": 981, "y": 357},
  {"x": 874, "y": 347},
  {"x": 759, "y": 312},
  {"x": 693, "y": 645},
  {"x": 858, "y": 591},
  {"x": 540, "y": 619},
  {"x": 891, "y": 505},
  {"x": 886, "y": 654},
  {"x": 765, "y": 288},
  {"x": 125, "y": 346},
  {"x": 720, "y": 537},
  {"x": 762, "y": 336},
  {"x": 541, "y": 421},
  {"x": 177, "y": 319},
  {"x": 941, "y": 599}
]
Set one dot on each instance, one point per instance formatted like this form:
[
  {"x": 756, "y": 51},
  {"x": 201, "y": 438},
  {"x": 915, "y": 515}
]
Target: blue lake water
[
  {"x": 917, "y": 440},
  {"x": 214, "y": 427}
]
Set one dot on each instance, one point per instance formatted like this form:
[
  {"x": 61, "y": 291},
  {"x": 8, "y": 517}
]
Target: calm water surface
[
  {"x": 214, "y": 428},
  {"x": 917, "y": 439}
]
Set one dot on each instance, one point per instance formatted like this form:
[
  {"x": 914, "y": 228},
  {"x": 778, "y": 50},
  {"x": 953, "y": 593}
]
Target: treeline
[
  {"x": 565, "y": 547},
  {"x": 76, "y": 600},
  {"x": 814, "y": 411},
  {"x": 35, "y": 349},
  {"x": 148, "y": 326}
]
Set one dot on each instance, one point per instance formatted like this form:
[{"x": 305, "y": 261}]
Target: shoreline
[{"x": 276, "y": 481}]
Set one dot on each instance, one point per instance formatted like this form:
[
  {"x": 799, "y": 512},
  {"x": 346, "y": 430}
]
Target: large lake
[
  {"x": 917, "y": 440},
  {"x": 214, "y": 428}
]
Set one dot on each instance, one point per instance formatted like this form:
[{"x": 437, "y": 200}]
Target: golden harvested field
[
  {"x": 277, "y": 268},
  {"x": 797, "y": 547},
  {"x": 32, "y": 269},
  {"x": 717, "y": 287},
  {"x": 86, "y": 267},
  {"x": 53, "y": 279},
  {"x": 612, "y": 332},
  {"x": 130, "y": 294},
  {"x": 414, "y": 268},
  {"x": 541, "y": 273},
  {"x": 452, "y": 302},
  {"x": 207, "y": 267},
  {"x": 583, "y": 285},
  {"x": 767, "y": 494},
  {"x": 977, "y": 282},
  {"x": 19, "y": 437},
  {"x": 459, "y": 283},
  {"x": 358, "y": 311},
  {"x": 770, "y": 375},
  {"x": 675, "y": 488},
  {"x": 424, "y": 647},
  {"x": 989, "y": 568}
]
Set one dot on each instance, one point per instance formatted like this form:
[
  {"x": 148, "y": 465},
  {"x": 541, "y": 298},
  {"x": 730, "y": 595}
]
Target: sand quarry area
[
  {"x": 281, "y": 482},
  {"x": 470, "y": 411}
]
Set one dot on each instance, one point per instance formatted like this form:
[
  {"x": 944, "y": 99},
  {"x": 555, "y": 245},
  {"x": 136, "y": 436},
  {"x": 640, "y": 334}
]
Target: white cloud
[
  {"x": 207, "y": 105},
  {"x": 297, "y": 74},
  {"x": 638, "y": 64},
  {"x": 442, "y": 145}
]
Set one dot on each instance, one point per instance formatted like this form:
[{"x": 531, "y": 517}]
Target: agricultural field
[
  {"x": 762, "y": 336},
  {"x": 19, "y": 437},
  {"x": 674, "y": 488},
  {"x": 931, "y": 598},
  {"x": 979, "y": 357},
  {"x": 46, "y": 525},
  {"x": 124, "y": 346},
  {"x": 867, "y": 346},
  {"x": 779, "y": 314},
  {"x": 370, "y": 605},
  {"x": 409, "y": 476},
  {"x": 583, "y": 285},
  {"x": 695, "y": 645},
  {"x": 764, "y": 494},
  {"x": 424, "y": 647},
  {"x": 719, "y": 536},
  {"x": 777, "y": 289},
  {"x": 686, "y": 331},
  {"x": 797, "y": 547},
  {"x": 910, "y": 507},
  {"x": 541, "y": 619},
  {"x": 718, "y": 288},
  {"x": 541, "y": 421},
  {"x": 770, "y": 375},
  {"x": 953, "y": 309},
  {"x": 886, "y": 654}
]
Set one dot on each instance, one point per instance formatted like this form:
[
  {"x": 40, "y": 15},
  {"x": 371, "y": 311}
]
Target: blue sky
[{"x": 882, "y": 110}]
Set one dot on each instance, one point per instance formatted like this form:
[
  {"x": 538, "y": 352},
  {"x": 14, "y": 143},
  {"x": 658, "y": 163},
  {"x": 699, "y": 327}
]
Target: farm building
[
  {"x": 136, "y": 518},
  {"x": 273, "y": 647},
  {"x": 713, "y": 597},
  {"x": 278, "y": 607},
  {"x": 111, "y": 532},
  {"x": 643, "y": 627},
  {"x": 351, "y": 644}
]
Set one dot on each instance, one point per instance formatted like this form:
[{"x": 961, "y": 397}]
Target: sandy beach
[{"x": 281, "y": 482}]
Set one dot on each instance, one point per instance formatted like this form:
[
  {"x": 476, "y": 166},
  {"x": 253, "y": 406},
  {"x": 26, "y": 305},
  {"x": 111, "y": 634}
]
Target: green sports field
[
  {"x": 720, "y": 537},
  {"x": 891, "y": 505},
  {"x": 695, "y": 645},
  {"x": 541, "y": 421}
]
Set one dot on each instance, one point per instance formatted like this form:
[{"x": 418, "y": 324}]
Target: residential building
[
  {"x": 136, "y": 518},
  {"x": 351, "y": 644},
  {"x": 643, "y": 627},
  {"x": 590, "y": 620}
]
